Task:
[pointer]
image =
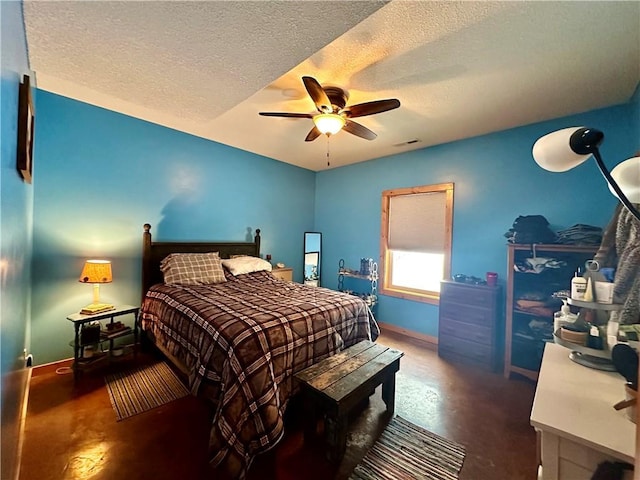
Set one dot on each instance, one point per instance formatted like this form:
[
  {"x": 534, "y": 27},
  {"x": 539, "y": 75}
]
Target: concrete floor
[{"x": 71, "y": 431}]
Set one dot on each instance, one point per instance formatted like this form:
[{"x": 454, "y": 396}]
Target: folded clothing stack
[
  {"x": 530, "y": 229},
  {"x": 580, "y": 234}
]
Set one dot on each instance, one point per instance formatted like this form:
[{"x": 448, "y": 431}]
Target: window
[{"x": 415, "y": 242}]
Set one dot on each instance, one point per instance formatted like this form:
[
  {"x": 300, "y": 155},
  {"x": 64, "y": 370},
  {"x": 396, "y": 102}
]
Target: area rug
[
  {"x": 140, "y": 390},
  {"x": 406, "y": 451}
]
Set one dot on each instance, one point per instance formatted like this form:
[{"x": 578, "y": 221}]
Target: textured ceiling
[{"x": 460, "y": 69}]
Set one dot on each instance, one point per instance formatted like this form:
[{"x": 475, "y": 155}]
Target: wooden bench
[{"x": 339, "y": 383}]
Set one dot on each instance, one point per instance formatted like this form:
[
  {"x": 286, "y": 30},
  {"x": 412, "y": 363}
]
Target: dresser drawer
[
  {"x": 283, "y": 274},
  {"x": 467, "y": 313},
  {"x": 463, "y": 349},
  {"x": 464, "y": 331},
  {"x": 476, "y": 295}
]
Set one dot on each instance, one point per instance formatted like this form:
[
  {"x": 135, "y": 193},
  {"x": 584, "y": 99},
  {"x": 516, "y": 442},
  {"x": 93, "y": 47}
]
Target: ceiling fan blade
[
  {"x": 317, "y": 94},
  {"x": 369, "y": 108},
  {"x": 312, "y": 135},
  {"x": 286, "y": 114},
  {"x": 358, "y": 130}
]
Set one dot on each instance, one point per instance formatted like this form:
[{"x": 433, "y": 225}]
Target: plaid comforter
[{"x": 242, "y": 341}]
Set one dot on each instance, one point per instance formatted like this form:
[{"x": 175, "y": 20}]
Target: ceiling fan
[{"x": 334, "y": 114}]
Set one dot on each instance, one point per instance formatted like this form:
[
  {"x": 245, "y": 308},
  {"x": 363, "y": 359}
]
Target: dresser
[
  {"x": 573, "y": 413},
  {"x": 470, "y": 327},
  {"x": 283, "y": 273}
]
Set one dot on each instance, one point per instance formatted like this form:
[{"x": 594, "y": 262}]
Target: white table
[{"x": 573, "y": 414}]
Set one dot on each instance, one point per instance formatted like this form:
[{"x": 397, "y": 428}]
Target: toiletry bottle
[
  {"x": 612, "y": 333},
  {"x": 594, "y": 340},
  {"x": 588, "y": 293},
  {"x": 578, "y": 286},
  {"x": 563, "y": 317}
]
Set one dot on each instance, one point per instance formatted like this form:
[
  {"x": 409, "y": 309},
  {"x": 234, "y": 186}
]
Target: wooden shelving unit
[
  {"x": 104, "y": 337},
  {"x": 524, "y": 346}
]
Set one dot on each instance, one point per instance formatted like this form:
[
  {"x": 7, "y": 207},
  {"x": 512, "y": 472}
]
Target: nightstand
[
  {"x": 285, "y": 273},
  {"x": 86, "y": 336}
]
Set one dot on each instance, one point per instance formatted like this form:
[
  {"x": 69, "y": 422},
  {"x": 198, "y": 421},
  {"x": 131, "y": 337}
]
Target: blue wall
[
  {"x": 15, "y": 198},
  {"x": 496, "y": 180},
  {"x": 16, "y": 201},
  {"x": 102, "y": 175}
]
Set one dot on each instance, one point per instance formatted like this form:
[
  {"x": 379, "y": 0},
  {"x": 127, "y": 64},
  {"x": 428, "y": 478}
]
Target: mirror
[{"x": 312, "y": 252}]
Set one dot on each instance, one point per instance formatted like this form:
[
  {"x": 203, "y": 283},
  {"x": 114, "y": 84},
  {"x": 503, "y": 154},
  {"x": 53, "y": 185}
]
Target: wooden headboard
[{"x": 154, "y": 252}]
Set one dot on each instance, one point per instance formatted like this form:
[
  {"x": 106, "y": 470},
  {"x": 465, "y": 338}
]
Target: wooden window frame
[{"x": 386, "y": 267}]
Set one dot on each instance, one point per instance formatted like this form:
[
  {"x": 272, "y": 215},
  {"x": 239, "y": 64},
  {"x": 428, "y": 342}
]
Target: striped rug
[
  {"x": 406, "y": 451},
  {"x": 136, "y": 391}
]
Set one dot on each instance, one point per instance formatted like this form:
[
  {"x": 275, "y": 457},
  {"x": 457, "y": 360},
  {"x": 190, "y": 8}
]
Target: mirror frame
[{"x": 314, "y": 248}]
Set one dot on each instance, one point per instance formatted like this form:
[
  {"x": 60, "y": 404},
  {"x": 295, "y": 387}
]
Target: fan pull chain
[{"x": 328, "y": 162}]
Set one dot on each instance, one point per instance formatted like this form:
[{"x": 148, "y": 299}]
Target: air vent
[{"x": 408, "y": 142}]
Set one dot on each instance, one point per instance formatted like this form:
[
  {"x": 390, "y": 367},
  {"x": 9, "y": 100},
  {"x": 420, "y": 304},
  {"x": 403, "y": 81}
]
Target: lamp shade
[
  {"x": 329, "y": 123},
  {"x": 96, "y": 271},
  {"x": 627, "y": 176},
  {"x": 553, "y": 152}
]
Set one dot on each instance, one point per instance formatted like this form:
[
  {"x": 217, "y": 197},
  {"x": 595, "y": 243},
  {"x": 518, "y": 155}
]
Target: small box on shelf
[
  {"x": 115, "y": 333},
  {"x": 90, "y": 333}
]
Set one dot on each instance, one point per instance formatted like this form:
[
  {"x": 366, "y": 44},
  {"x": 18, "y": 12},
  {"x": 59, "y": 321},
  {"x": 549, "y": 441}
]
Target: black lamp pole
[{"x": 586, "y": 141}]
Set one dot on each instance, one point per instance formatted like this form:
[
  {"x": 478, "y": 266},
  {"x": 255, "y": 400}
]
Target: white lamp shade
[
  {"x": 627, "y": 176},
  {"x": 553, "y": 152},
  {"x": 329, "y": 123}
]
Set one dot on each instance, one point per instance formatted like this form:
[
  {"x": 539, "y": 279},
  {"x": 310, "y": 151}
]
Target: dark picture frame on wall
[{"x": 26, "y": 116}]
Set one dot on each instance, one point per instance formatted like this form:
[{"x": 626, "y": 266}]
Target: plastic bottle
[
  {"x": 594, "y": 340},
  {"x": 588, "y": 293},
  {"x": 563, "y": 317},
  {"x": 612, "y": 333},
  {"x": 578, "y": 286}
]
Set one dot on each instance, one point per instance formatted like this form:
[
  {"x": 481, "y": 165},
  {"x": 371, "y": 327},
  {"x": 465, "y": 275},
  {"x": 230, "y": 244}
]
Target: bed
[{"x": 240, "y": 340}]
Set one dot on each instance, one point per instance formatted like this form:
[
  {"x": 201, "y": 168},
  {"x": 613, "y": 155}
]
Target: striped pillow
[{"x": 192, "y": 269}]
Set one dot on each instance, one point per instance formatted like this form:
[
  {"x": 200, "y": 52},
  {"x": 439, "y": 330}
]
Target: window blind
[{"x": 417, "y": 222}]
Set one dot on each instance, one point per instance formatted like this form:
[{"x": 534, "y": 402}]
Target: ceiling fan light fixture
[
  {"x": 333, "y": 114},
  {"x": 329, "y": 123}
]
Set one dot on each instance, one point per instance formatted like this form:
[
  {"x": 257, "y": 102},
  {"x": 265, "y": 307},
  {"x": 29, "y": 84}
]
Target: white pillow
[{"x": 241, "y": 265}]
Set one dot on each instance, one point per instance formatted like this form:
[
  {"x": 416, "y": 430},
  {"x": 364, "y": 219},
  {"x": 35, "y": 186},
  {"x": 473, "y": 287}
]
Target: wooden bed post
[
  {"x": 146, "y": 258},
  {"x": 257, "y": 240}
]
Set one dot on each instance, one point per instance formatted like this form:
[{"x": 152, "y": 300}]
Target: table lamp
[{"x": 96, "y": 272}]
